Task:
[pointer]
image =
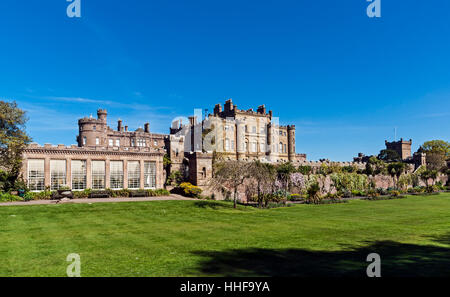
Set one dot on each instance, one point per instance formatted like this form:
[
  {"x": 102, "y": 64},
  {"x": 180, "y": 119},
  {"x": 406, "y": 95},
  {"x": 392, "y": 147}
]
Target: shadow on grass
[
  {"x": 215, "y": 205},
  {"x": 397, "y": 260}
]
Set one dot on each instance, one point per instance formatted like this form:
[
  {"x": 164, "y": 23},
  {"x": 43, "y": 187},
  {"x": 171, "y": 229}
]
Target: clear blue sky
[{"x": 343, "y": 79}]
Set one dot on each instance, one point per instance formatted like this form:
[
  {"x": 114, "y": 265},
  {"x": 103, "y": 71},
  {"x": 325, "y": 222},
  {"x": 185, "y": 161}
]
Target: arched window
[{"x": 281, "y": 147}]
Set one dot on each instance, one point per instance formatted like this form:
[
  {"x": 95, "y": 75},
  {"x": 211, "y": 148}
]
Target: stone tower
[
  {"x": 92, "y": 131},
  {"x": 402, "y": 147},
  {"x": 291, "y": 142}
]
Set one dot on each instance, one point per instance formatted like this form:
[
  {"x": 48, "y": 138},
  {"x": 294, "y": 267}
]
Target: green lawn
[{"x": 198, "y": 238}]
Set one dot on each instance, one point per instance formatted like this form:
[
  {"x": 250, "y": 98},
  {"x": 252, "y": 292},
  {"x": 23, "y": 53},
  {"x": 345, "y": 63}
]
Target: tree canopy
[{"x": 13, "y": 137}]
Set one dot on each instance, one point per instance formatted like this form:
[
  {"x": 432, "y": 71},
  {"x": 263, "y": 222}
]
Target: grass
[{"x": 208, "y": 238}]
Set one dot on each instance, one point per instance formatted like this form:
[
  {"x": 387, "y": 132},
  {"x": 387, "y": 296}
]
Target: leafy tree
[
  {"x": 230, "y": 175},
  {"x": 395, "y": 170},
  {"x": 375, "y": 166},
  {"x": 13, "y": 140},
  {"x": 389, "y": 156},
  {"x": 305, "y": 170},
  {"x": 437, "y": 146},
  {"x": 427, "y": 174},
  {"x": 438, "y": 151}
]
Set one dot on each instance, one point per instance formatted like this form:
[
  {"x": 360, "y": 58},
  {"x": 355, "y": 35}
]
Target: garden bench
[
  {"x": 99, "y": 195},
  {"x": 138, "y": 194}
]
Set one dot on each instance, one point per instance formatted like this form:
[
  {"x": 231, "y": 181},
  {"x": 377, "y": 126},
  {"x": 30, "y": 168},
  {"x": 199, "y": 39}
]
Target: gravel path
[{"x": 96, "y": 200}]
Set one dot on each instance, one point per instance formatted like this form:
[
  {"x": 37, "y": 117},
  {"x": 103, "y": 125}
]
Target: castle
[{"x": 120, "y": 158}]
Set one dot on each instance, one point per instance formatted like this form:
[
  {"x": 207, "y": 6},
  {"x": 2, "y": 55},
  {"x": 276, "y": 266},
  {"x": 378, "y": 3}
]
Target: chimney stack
[
  {"x": 119, "y": 125},
  {"x": 147, "y": 128},
  {"x": 193, "y": 120}
]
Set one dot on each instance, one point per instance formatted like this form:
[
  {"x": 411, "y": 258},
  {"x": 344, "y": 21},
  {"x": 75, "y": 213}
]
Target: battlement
[{"x": 231, "y": 109}]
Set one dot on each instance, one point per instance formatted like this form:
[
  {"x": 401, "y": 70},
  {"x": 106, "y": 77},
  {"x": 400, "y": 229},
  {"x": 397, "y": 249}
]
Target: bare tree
[{"x": 230, "y": 175}]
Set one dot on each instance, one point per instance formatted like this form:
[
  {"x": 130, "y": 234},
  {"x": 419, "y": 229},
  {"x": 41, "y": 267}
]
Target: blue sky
[{"x": 345, "y": 80}]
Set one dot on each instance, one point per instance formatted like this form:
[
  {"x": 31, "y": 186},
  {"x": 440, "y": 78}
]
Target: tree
[
  {"x": 375, "y": 166},
  {"x": 13, "y": 139},
  {"x": 427, "y": 174},
  {"x": 395, "y": 170},
  {"x": 284, "y": 172},
  {"x": 230, "y": 174},
  {"x": 437, "y": 146},
  {"x": 264, "y": 175},
  {"x": 389, "y": 156},
  {"x": 438, "y": 151}
]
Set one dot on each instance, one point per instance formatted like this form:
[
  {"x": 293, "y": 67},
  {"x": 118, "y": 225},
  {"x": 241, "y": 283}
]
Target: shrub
[
  {"x": 295, "y": 197},
  {"x": 313, "y": 194},
  {"x": 188, "y": 189},
  {"x": 82, "y": 194},
  {"x": 6, "y": 197}
]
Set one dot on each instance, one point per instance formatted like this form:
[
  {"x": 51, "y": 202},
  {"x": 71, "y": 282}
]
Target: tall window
[
  {"x": 134, "y": 174},
  {"x": 110, "y": 142},
  {"x": 116, "y": 169},
  {"x": 78, "y": 174},
  {"x": 98, "y": 175},
  {"x": 97, "y": 141},
  {"x": 117, "y": 142},
  {"x": 84, "y": 140},
  {"x": 36, "y": 175},
  {"x": 227, "y": 144},
  {"x": 281, "y": 147},
  {"x": 253, "y": 147},
  {"x": 57, "y": 174},
  {"x": 149, "y": 174},
  {"x": 132, "y": 142},
  {"x": 253, "y": 129}
]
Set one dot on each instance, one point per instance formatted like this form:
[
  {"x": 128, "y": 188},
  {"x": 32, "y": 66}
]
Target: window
[
  {"x": 232, "y": 144},
  {"x": 281, "y": 147},
  {"x": 111, "y": 142},
  {"x": 116, "y": 174},
  {"x": 95, "y": 128},
  {"x": 262, "y": 147},
  {"x": 134, "y": 175},
  {"x": 133, "y": 142},
  {"x": 84, "y": 140},
  {"x": 246, "y": 146},
  {"x": 285, "y": 150},
  {"x": 36, "y": 175},
  {"x": 281, "y": 133},
  {"x": 57, "y": 174},
  {"x": 149, "y": 174},
  {"x": 117, "y": 142},
  {"x": 253, "y": 147},
  {"x": 227, "y": 144},
  {"x": 141, "y": 142},
  {"x": 97, "y": 141},
  {"x": 78, "y": 175},
  {"x": 98, "y": 175},
  {"x": 155, "y": 143},
  {"x": 254, "y": 129}
]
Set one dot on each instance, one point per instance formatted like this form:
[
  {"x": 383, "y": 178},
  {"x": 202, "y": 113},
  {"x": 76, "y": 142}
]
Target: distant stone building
[{"x": 104, "y": 158}]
